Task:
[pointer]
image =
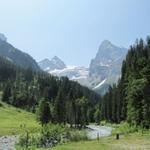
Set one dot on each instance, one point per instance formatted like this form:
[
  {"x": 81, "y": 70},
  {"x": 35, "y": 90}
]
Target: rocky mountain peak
[
  {"x": 105, "y": 43},
  {"x": 104, "y": 69},
  {"x": 108, "y": 60},
  {"x": 54, "y": 63},
  {"x": 3, "y": 37}
]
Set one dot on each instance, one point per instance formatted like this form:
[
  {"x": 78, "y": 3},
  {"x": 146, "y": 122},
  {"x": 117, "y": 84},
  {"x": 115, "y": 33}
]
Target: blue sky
[{"x": 72, "y": 29}]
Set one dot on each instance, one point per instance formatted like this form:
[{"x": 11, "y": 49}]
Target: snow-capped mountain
[
  {"x": 57, "y": 67},
  {"x": 104, "y": 70},
  {"x": 73, "y": 73},
  {"x": 50, "y": 65}
]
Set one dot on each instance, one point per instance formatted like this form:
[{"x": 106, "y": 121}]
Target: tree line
[{"x": 54, "y": 99}]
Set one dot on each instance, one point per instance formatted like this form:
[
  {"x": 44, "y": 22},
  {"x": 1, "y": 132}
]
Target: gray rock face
[
  {"x": 108, "y": 60},
  {"x": 54, "y": 63},
  {"x": 8, "y": 142},
  {"x": 16, "y": 56},
  {"x": 107, "y": 64},
  {"x": 3, "y": 37},
  {"x": 104, "y": 70}
]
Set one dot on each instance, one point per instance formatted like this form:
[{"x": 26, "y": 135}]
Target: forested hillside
[
  {"x": 130, "y": 99},
  {"x": 57, "y": 99}
]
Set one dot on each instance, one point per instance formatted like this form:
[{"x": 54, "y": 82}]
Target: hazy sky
[{"x": 72, "y": 29}]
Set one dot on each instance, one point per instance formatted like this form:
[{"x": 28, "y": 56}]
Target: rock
[{"x": 8, "y": 142}]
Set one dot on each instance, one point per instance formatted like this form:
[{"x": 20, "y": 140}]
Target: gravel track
[{"x": 8, "y": 142}]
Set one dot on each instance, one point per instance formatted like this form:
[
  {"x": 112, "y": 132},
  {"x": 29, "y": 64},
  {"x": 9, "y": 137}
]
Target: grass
[
  {"x": 134, "y": 141},
  {"x": 11, "y": 120}
]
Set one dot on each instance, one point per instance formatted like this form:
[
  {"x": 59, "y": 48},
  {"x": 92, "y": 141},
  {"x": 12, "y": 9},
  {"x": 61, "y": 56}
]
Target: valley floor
[
  {"x": 11, "y": 120},
  {"x": 135, "y": 141}
]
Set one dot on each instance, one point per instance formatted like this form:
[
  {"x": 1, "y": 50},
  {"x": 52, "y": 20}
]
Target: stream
[{"x": 95, "y": 131}]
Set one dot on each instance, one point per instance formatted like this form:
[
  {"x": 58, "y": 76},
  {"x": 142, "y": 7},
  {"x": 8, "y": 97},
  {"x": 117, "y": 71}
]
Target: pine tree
[
  {"x": 6, "y": 93},
  {"x": 60, "y": 107},
  {"x": 44, "y": 113}
]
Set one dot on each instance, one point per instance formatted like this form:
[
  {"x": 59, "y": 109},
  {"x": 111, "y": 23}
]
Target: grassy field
[
  {"x": 135, "y": 141},
  {"x": 11, "y": 120}
]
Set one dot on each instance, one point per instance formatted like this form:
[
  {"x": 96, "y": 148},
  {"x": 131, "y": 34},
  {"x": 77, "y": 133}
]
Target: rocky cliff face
[
  {"x": 107, "y": 61},
  {"x": 106, "y": 66},
  {"x": 3, "y": 37},
  {"x": 15, "y": 55},
  {"x": 104, "y": 70},
  {"x": 54, "y": 64}
]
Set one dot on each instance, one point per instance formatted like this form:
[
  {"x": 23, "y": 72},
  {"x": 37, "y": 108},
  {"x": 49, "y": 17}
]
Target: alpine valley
[{"x": 104, "y": 70}]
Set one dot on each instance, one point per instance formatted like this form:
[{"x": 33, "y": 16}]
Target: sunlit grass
[
  {"x": 135, "y": 141},
  {"x": 15, "y": 121}
]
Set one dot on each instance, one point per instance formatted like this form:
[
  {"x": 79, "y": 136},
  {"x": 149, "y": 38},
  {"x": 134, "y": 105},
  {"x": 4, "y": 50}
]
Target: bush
[
  {"x": 26, "y": 140},
  {"x": 51, "y": 134},
  {"x": 48, "y": 136},
  {"x": 77, "y": 135},
  {"x": 125, "y": 128},
  {"x": 1, "y": 105}
]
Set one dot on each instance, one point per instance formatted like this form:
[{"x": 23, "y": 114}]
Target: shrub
[
  {"x": 77, "y": 135},
  {"x": 29, "y": 140},
  {"x": 48, "y": 136},
  {"x": 1, "y": 105},
  {"x": 125, "y": 128}
]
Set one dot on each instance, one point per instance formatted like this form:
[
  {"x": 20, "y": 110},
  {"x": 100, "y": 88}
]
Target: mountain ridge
[
  {"x": 16, "y": 56},
  {"x": 51, "y": 64},
  {"x": 104, "y": 69}
]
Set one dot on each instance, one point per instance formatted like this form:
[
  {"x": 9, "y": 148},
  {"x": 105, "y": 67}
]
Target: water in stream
[{"x": 98, "y": 131}]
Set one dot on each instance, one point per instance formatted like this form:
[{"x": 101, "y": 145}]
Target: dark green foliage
[
  {"x": 97, "y": 115},
  {"x": 81, "y": 112},
  {"x": 44, "y": 113},
  {"x": 7, "y": 93},
  {"x": 68, "y": 101},
  {"x": 60, "y": 107},
  {"x": 130, "y": 99}
]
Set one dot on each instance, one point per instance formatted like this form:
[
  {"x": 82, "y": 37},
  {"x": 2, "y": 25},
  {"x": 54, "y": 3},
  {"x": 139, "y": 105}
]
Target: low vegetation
[
  {"x": 50, "y": 135},
  {"x": 134, "y": 141}
]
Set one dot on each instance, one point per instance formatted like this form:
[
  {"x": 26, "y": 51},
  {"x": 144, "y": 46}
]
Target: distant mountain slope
[
  {"x": 54, "y": 63},
  {"x": 104, "y": 70},
  {"x": 108, "y": 60},
  {"x": 15, "y": 55}
]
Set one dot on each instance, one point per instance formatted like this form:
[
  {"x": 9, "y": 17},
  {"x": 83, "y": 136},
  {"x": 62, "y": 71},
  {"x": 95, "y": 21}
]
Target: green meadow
[
  {"x": 15, "y": 121},
  {"x": 134, "y": 141}
]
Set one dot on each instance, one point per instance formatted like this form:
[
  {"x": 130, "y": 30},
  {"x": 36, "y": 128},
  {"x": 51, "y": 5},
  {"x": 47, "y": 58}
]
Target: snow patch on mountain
[
  {"x": 99, "y": 85},
  {"x": 72, "y": 72}
]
